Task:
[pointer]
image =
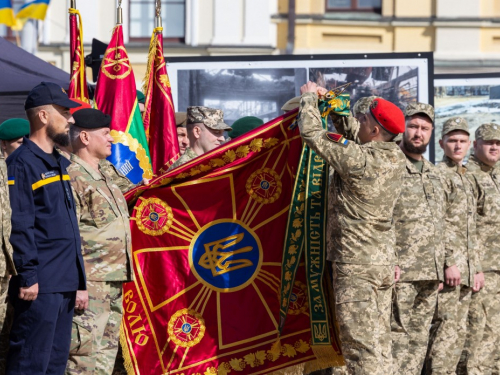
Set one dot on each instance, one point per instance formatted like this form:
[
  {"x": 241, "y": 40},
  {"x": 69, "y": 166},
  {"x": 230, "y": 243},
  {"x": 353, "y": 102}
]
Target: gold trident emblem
[
  {"x": 320, "y": 332},
  {"x": 217, "y": 261},
  {"x": 116, "y": 63}
]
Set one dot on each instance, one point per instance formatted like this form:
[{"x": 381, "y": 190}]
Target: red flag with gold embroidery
[
  {"x": 208, "y": 242},
  {"x": 159, "y": 112},
  {"x": 78, "y": 83}
]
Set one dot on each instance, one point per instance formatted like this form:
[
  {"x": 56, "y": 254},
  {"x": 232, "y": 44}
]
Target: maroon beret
[{"x": 388, "y": 116}]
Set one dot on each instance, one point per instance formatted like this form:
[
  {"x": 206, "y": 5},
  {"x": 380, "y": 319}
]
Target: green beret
[
  {"x": 244, "y": 125},
  {"x": 14, "y": 128},
  {"x": 140, "y": 97}
]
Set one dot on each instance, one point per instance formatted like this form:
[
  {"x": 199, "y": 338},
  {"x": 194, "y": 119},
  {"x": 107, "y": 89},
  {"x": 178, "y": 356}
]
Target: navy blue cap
[{"x": 48, "y": 93}]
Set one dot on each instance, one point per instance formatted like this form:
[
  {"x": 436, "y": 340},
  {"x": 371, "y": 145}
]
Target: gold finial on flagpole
[
  {"x": 158, "y": 14},
  {"x": 119, "y": 13}
]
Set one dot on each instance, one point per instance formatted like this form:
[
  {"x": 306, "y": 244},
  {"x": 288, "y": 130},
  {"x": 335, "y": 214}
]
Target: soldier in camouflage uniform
[
  {"x": 462, "y": 269},
  {"x": 419, "y": 218},
  {"x": 366, "y": 183},
  {"x": 105, "y": 232},
  {"x": 6, "y": 265},
  {"x": 483, "y": 333},
  {"x": 205, "y": 128},
  {"x": 360, "y": 108}
]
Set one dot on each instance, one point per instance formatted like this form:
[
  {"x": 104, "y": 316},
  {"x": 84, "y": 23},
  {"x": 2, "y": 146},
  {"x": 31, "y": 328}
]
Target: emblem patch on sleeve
[{"x": 337, "y": 138}]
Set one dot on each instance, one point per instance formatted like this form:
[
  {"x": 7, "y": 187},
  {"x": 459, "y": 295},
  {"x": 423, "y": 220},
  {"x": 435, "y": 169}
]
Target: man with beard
[
  {"x": 418, "y": 215},
  {"x": 462, "y": 272},
  {"x": 45, "y": 238},
  {"x": 483, "y": 331}
]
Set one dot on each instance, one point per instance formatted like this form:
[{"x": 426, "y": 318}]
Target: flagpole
[
  {"x": 119, "y": 13},
  {"x": 158, "y": 23}
]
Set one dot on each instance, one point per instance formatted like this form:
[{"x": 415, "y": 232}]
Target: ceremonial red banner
[
  {"x": 78, "y": 83},
  {"x": 115, "y": 95},
  {"x": 159, "y": 113},
  {"x": 208, "y": 243}
]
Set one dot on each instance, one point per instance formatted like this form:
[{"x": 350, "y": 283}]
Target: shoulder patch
[{"x": 337, "y": 138}]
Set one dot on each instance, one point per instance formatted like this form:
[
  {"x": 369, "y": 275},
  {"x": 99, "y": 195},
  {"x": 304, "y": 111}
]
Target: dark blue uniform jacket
[{"x": 45, "y": 235}]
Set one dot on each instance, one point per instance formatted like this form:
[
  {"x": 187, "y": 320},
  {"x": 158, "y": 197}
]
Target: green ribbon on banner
[{"x": 306, "y": 234}]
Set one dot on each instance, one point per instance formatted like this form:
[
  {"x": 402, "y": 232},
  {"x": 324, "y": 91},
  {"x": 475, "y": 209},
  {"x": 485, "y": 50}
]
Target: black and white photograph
[
  {"x": 240, "y": 92},
  {"x": 397, "y": 84},
  {"x": 477, "y": 99}
]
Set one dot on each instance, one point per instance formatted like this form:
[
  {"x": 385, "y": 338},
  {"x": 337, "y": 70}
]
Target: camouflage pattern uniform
[
  {"x": 117, "y": 177},
  {"x": 366, "y": 184},
  {"x": 104, "y": 228},
  {"x": 419, "y": 218},
  {"x": 449, "y": 328},
  {"x": 6, "y": 265},
  {"x": 188, "y": 155},
  {"x": 483, "y": 333}
]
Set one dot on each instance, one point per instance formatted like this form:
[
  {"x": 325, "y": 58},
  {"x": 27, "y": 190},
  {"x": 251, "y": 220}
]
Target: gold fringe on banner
[
  {"x": 147, "y": 88},
  {"x": 129, "y": 367},
  {"x": 82, "y": 54},
  {"x": 326, "y": 356}
]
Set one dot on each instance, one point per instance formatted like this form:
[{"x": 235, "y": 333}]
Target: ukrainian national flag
[
  {"x": 6, "y": 13},
  {"x": 36, "y": 9}
]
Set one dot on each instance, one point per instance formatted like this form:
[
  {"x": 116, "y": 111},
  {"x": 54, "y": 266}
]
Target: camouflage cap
[
  {"x": 210, "y": 117},
  {"x": 362, "y": 105},
  {"x": 291, "y": 104},
  {"x": 419, "y": 108},
  {"x": 455, "y": 123},
  {"x": 488, "y": 132},
  {"x": 180, "y": 119}
]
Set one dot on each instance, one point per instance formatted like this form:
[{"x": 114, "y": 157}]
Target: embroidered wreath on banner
[
  {"x": 113, "y": 59},
  {"x": 186, "y": 328},
  {"x": 154, "y": 217},
  {"x": 264, "y": 185}
]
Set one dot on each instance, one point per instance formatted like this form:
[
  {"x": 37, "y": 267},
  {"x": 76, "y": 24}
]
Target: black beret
[{"x": 90, "y": 118}]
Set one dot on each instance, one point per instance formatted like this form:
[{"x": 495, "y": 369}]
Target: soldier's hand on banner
[
  {"x": 82, "y": 300},
  {"x": 28, "y": 293}
]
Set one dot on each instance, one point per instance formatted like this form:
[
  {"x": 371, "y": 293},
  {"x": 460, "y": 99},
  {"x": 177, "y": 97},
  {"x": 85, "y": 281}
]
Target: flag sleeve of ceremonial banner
[
  {"x": 7, "y": 13},
  {"x": 208, "y": 242},
  {"x": 78, "y": 83},
  {"x": 36, "y": 9},
  {"x": 159, "y": 114},
  {"x": 116, "y": 96}
]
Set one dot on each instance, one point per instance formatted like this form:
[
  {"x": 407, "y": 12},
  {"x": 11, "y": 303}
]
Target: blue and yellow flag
[
  {"x": 7, "y": 13},
  {"x": 36, "y": 9}
]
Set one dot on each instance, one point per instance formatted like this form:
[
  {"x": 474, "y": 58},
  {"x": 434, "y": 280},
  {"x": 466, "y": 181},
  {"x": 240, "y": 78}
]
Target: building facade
[{"x": 464, "y": 35}]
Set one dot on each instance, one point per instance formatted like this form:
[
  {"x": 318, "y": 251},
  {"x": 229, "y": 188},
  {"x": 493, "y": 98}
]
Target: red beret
[
  {"x": 388, "y": 116},
  {"x": 83, "y": 105}
]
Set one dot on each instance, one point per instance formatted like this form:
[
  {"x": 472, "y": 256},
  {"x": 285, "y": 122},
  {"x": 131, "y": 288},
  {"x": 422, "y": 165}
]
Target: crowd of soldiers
[{"x": 412, "y": 245}]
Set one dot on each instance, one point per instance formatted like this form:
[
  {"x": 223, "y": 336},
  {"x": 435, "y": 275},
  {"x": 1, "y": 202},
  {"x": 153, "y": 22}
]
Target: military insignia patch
[{"x": 337, "y": 138}]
